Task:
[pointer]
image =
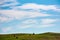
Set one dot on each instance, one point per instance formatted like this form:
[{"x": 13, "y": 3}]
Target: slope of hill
[{"x": 43, "y": 36}]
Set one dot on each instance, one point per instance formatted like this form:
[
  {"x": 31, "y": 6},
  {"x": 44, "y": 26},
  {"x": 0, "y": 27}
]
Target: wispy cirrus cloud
[
  {"x": 31, "y": 23},
  {"x": 13, "y": 5},
  {"x": 5, "y": 19},
  {"x": 4, "y": 1},
  {"x": 14, "y": 14},
  {"x": 37, "y": 23},
  {"x": 8, "y": 3},
  {"x": 35, "y": 6},
  {"x": 6, "y": 29},
  {"x": 48, "y": 21}
]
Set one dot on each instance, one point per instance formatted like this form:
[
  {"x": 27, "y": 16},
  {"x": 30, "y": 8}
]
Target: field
[{"x": 25, "y": 36}]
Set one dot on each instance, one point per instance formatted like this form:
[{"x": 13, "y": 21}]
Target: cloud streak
[
  {"x": 33, "y": 23},
  {"x": 6, "y": 29},
  {"x": 14, "y": 14},
  {"x": 8, "y": 3},
  {"x": 48, "y": 21},
  {"x": 38, "y": 7},
  {"x": 5, "y": 19}
]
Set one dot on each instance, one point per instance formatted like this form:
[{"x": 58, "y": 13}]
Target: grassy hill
[{"x": 42, "y": 36}]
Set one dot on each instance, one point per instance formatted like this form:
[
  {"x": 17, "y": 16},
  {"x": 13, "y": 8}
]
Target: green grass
[{"x": 43, "y": 36}]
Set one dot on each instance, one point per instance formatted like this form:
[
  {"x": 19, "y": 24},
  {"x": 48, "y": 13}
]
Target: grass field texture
[{"x": 25, "y": 36}]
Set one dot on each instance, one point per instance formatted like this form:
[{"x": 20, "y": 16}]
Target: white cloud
[
  {"x": 2, "y": 19},
  {"x": 37, "y": 7},
  {"x": 11, "y": 4},
  {"x": 43, "y": 25},
  {"x": 6, "y": 29},
  {"x": 48, "y": 21},
  {"x": 26, "y": 24},
  {"x": 15, "y": 14},
  {"x": 33, "y": 6},
  {"x": 29, "y": 21},
  {"x": 5, "y": 19},
  {"x": 36, "y": 23},
  {"x": 4, "y": 1},
  {"x": 23, "y": 26}
]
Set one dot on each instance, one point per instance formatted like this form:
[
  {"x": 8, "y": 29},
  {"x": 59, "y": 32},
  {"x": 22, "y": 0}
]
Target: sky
[{"x": 29, "y": 16}]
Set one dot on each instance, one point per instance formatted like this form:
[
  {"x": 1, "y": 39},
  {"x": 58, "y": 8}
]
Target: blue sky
[{"x": 29, "y": 16}]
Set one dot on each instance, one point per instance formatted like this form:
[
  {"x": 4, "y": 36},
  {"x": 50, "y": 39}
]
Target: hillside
[{"x": 42, "y": 36}]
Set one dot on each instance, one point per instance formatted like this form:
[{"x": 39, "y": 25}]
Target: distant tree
[{"x": 33, "y": 33}]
